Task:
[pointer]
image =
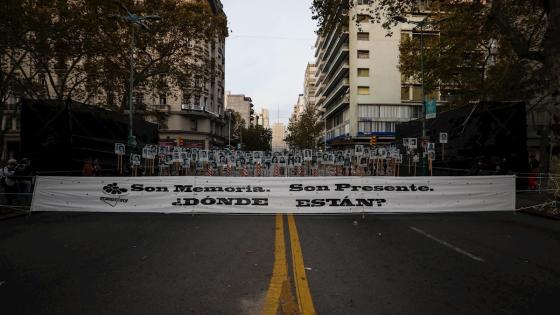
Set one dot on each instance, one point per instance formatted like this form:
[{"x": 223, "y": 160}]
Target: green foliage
[
  {"x": 304, "y": 131},
  {"x": 77, "y": 49},
  {"x": 256, "y": 138},
  {"x": 522, "y": 35}
]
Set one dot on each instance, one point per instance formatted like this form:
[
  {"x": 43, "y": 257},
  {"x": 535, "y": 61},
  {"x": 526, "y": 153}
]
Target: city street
[{"x": 92, "y": 263}]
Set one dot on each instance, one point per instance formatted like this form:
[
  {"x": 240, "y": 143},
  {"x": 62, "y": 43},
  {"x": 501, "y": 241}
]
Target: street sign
[{"x": 431, "y": 109}]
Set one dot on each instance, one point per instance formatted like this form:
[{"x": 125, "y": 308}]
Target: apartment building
[
  {"x": 299, "y": 107},
  {"x": 278, "y": 136},
  {"x": 193, "y": 116},
  {"x": 358, "y": 85},
  {"x": 244, "y": 106},
  {"x": 265, "y": 118},
  {"x": 309, "y": 88}
]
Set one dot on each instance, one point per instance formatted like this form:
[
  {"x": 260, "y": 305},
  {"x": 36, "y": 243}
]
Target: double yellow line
[{"x": 279, "y": 295}]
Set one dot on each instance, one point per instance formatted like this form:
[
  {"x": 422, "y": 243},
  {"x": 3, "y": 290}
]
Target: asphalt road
[{"x": 478, "y": 263}]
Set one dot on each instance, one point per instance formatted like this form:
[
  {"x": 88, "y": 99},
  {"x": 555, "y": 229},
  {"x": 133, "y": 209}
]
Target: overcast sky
[{"x": 269, "y": 46}]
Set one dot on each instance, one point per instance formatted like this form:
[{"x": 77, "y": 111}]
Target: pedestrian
[
  {"x": 96, "y": 168},
  {"x": 10, "y": 181},
  {"x": 475, "y": 170},
  {"x": 23, "y": 175},
  {"x": 534, "y": 165},
  {"x": 88, "y": 168}
]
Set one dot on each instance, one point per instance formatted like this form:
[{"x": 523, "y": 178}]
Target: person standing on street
[
  {"x": 88, "y": 168},
  {"x": 24, "y": 177},
  {"x": 534, "y": 164},
  {"x": 10, "y": 181}
]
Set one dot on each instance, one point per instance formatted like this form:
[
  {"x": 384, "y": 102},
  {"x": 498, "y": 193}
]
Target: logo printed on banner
[{"x": 116, "y": 194}]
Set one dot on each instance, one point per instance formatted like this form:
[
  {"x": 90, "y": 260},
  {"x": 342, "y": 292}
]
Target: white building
[
  {"x": 278, "y": 136},
  {"x": 358, "y": 84},
  {"x": 299, "y": 107},
  {"x": 309, "y": 88},
  {"x": 265, "y": 118},
  {"x": 243, "y": 105}
]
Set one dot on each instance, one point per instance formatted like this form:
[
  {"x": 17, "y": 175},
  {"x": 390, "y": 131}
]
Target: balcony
[
  {"x": 340, "y": 89},
  {"x": 341, "y": 58},
  {"x": 341, "y": 102},
  {"x": 159, "y": 107},
  {"x": 342, "y": 43},
  {"x": 342, "y": 130},
  {"x": 335, "y": 77}
]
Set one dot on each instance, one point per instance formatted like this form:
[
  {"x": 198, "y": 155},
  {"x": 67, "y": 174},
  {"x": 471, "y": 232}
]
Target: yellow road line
[
  {"x": 279, "y": 271},
  {"x": 303, "y": 294}
]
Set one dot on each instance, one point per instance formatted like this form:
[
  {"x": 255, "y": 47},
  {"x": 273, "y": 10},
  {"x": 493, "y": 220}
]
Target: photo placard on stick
[
  {"x": 359, "y": 150},
  {"x": 413, "y": 143},
  {"x": 443, "y": 137},
  {"x": 120, "y": 149},
  {"x": 135, "y": 159}
]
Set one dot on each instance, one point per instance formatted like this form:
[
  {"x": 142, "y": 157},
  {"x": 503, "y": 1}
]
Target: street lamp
[
  {"x": 132, "y": 19},
  {"x": 421, "y": 24}
]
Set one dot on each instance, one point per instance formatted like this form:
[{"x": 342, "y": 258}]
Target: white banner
[{"x": 261, "y": 195}]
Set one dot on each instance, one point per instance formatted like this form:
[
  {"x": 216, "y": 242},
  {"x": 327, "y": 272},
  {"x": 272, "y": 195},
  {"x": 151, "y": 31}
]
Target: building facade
[
  {"x": 358, "y": 85},
  {"x": 309, "y": 88},
  {"x": 195, "y": 117},
  {"x": 265, "y": 118},
  {"x": 244, "y": 106},
  {"x": 278, "y": 136},
  {"x": 299, "y": 107},
  {"x": 192, "y": 117}
]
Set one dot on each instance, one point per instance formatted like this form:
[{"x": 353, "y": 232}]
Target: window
[
  {"x": 163, "y": 99},
  {"x": 363, "y": 35},
  {"x": 368, "y": 127},
  {"x": 194, "y": 125},
  {"x": 363, "y": 2},
  {"x": 139, "y": 99},
  {"x": 405, "y": 93},
  {"x": 363, "y": 54},
  {"x": 363, "y": 72},
  {"x": 416, "y": 93},
  {"x": 363, "y": 90},
  {"x": 368, "y": 112},
  {"x": 362, "y": 18},
  {"x": 8, "y": 123},
  {"x": 405, "y": 36}
]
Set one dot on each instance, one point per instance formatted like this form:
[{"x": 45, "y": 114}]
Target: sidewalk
[
  {"x": 7, "y": 212},
  {"x": 538, "y": 204}
]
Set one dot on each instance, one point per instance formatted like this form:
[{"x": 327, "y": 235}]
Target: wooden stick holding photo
[{"x": 430, "y": 166}]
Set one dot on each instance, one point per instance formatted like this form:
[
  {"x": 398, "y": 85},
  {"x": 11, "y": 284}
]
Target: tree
[
  {"x": 256, "y": 138},
  {"x": 304, "y": 131},
  {"x": 527, "y": 34},
  {"x": 61, "y": 49},
  {"x": 522, "y": 35}
]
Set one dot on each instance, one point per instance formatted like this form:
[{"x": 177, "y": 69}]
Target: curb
[
  {"x": 540, "y": 214},
  {"x": 12, "y": 215}
]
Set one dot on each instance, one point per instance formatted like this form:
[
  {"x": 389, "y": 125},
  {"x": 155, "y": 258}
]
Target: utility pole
[
  {"x": 133, "y": 20},
  {"x": 131, "y": 137},
  {"x": 421, "y": 25},
  {"x": 229, "y": 129}
]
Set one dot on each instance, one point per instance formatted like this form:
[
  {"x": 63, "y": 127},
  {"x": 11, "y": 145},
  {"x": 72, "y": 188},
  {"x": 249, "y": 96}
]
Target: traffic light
[
  {"x": 181, "y": 141},
  {"x": 373, "y": 140}
]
